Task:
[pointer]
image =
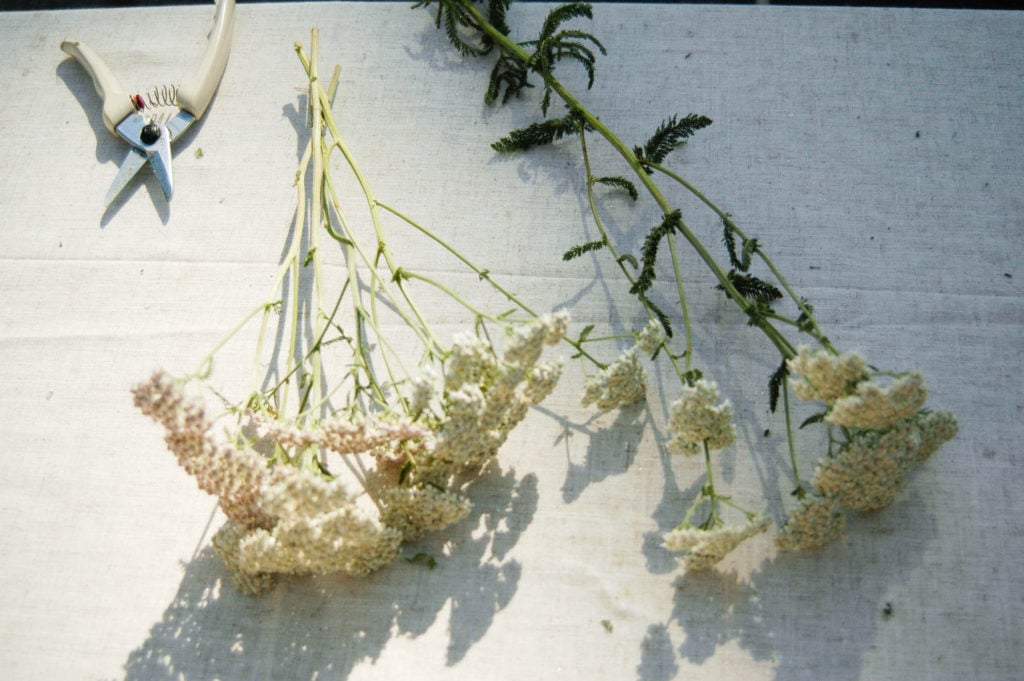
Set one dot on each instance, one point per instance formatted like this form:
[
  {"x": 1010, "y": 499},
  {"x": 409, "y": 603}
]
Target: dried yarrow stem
[
  {"x": 287, "y": 520},
  {"x": 320, "y": 477}
]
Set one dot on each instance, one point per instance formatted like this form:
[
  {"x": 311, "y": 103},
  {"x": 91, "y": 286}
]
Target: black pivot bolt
[{"x": 150, "y": 133}]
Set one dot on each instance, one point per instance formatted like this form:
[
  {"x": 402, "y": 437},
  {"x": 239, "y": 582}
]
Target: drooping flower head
[
  {"x": 650, "y": 338},
  {"x": 621, "y": 384},
  {"x": 814, "y": 524},
  {"x": 875, "y": 407},
  {"x": 703, "y": 549},
  {"x": 825, "y": 377},
  {"x": 697, "y": 419}
]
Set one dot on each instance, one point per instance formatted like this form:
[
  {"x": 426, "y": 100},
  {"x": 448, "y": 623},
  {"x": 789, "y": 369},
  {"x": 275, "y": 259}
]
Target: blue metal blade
[
  {"x": 129, "y": 166},
  {"x": 160, "y": 159}
]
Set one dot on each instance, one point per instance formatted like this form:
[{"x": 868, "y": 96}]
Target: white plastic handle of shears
[
  {"x": 116, "y": 102},
  {"x": 195, "y": 95}
]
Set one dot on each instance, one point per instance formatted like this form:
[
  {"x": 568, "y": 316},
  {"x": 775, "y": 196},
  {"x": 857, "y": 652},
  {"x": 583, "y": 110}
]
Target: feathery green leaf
[
  {"x": 620, "y": 183},
  {"x": 539, "y": 134},
  {"x": 670, "y": 135},
  {"x": 649, "y": 252},
  {"x": 577, "y": 251},
  {"x": 775, "y": 385},
  {"x": 753, "y": 288}
]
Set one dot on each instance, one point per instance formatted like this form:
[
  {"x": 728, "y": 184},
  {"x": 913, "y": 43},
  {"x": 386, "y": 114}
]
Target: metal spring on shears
[{"x": 156, "y": 97}]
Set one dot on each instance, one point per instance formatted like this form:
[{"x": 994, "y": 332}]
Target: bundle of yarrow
[
  {"x": 877, "y": 424},
  {"x": 318, "y": 477}
]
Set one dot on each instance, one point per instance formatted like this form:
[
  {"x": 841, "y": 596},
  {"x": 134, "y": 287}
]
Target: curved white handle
[
  {"x": 116, "y": 102},
  {"x": 195, "y": 95}
]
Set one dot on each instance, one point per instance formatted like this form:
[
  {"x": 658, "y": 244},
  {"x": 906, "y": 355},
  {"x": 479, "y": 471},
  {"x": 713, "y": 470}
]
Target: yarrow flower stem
[
  {"x": 878, "y": 427},
  {"x": 411, "y": 435}
]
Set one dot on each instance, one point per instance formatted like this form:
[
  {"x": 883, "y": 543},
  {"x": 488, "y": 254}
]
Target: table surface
[{"x": 877, "y": 154}]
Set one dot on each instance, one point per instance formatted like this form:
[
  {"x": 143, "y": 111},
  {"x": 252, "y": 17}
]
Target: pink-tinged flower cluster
[
  {"x": 234, "y": 476},
  {"x": 285, "y": 519}
]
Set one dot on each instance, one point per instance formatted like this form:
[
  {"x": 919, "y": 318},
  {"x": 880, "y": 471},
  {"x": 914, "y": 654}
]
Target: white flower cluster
[
  {"x": 316, "y": 528},
  {"x": 868, "y": 471},
  {"x": 876, "y": 407},
  {"x": 281, "y": 519},
  {"x": 624, "y": 382},
  {"x": 345, "y": 437},
  {"x": 825, "y": 377},
  {"x": 888, "y": 432},
  {"x": 621, "y": 383},
  {"x": 414, "y": 511},
  {"x": 287, "y": 520},
  {"x": 487, "y": 396},
  {"x": 221, "y": 470},
  {"x": 424, "y": 391},
  {"x": 695, "y": 420},
  {"x": 650, "y": 338},
  {"x": 706, "y": 548},
  {"x": 817, "y": 522}
]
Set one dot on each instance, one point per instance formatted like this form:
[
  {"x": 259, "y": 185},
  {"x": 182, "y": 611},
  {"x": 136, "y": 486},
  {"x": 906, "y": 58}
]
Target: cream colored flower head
[
  {"x": 423, "y": 390},
  {"x": 863, "y": 477},
  {"x": 698, "y": 418},
  {"x": 876, "y": 407},
  {"x": 416, "y": 510},
  {"x": 814, "y": 524},
  {"x": 650, "y": 338},
  {"x": 825, "y": 377},
  {"x": 472, "y": 360},
  {"x": 705, "y": 548},
  {"x": 621, "y": 384}
]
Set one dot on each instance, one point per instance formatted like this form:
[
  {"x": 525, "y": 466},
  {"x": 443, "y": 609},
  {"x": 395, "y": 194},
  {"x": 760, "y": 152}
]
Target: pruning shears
[{"x": 151, "y": 120}]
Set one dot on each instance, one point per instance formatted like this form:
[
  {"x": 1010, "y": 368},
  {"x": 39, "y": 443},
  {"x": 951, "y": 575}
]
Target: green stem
[
  {"x": 511, "y": 48},
  {"x": 609, "y": 244},
  {"x": 315, "y": 220},
  {"x": 482, "y": 273},
  {"x": 799, "y": 491},
  {"x": 727, "y": 221},
  {"x": 709, "y": 490}
]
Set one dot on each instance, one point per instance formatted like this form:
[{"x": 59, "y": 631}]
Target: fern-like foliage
[
  {"x": 812, "y": 419},
  {"x": 540, "y": 134},
  {"x": 670, "y": 135},
  {"x": 649, "y": 252},
  {"x": 775, "y": 385},
  {"x": 658, "y": 312},
  {"x": 803, "y": 322},
  {"x": 752, "y": 288},
  {"x": 555, "y": 44},
  {"x": 496, "y": 12},
  {"x": 739, "y": 261},
  {"x": 457, "y": 23},
  {"x": 453, "y": 16},
  {"x": 619, "y": 183},
  {"x": 509, "y": 74},
  {"x": 581, "y": 249}
]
